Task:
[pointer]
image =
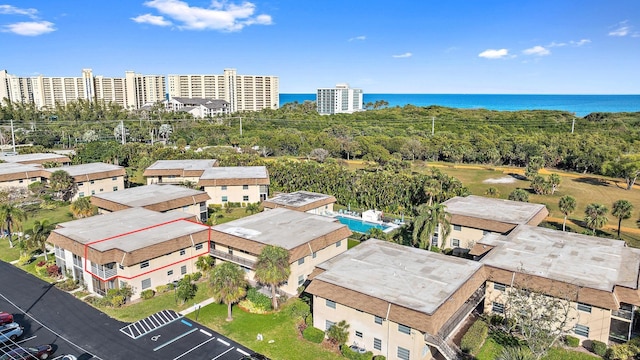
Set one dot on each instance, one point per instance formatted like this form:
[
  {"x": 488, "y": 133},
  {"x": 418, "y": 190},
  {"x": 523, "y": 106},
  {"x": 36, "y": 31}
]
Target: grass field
[{"x": 491, "y": 349}]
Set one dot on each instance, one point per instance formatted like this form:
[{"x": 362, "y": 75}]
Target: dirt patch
[{"x": 501, "y": 180}]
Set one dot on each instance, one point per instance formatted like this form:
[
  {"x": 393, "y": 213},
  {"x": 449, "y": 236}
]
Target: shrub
[
  {"x": 474, "y": 338},
  {"x": 147, "y": 294},
  {"x": 314, "y": 335},
  {"x": 338, "y": 333},
  {"x": 196, "y": 276},
  {"x": 350, "y": 354},
  {"x": 25, "y": 259},
  {"x": 379, "y": 357},
  {"x": 298, "y": 309},
  {"x": 116, "y": 301},
  {"x": 67, "y": 285},
  {"x": 572, "y": 341},
  {"x": 598, "y": 347},
  {"x": 53, "y": 270},
  {"x": 259, "y": 300},
  {"x": 621, "y": 351},
  {"x": 161, "y": 289}
]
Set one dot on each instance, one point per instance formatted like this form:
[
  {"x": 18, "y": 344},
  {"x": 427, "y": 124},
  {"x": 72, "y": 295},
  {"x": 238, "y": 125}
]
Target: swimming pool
[{"x": 360, "y": 226}]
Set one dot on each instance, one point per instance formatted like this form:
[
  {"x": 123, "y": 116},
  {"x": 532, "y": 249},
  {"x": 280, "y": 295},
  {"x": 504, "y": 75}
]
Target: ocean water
[{"x": 581, "y": 105}]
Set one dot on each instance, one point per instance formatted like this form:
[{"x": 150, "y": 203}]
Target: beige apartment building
[
  {"x": 37, "y": 158},
  {"x": 305, "y": 201},
  {"x": 91, "y": 179},
  {"x": 177, "y": 171},
  {"x": 243, "y": 92},
  {"x": 310, "y": 240},
  {"x": 473, "y": 217},
  {"x": 400, "y": 302},
  {"x": 235, "y": 184},
  {"x": 19, "y": 176},
  {"x": 161, "y": 198},
  {"x": 137, "y": 247}
]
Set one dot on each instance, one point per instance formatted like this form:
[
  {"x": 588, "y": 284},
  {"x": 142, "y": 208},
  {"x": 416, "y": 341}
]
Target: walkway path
[{"x": 196, "y": 306}]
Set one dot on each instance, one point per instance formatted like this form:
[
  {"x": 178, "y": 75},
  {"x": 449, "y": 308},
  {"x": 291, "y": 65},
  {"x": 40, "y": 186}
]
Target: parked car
[
  {"x": 5, "y": 318},
  {"x": 36, "y": 352},
  {"x": 10, "y": 332},
  {"x": 255, "y": 356},
  {"x": 69, "y": 357}
]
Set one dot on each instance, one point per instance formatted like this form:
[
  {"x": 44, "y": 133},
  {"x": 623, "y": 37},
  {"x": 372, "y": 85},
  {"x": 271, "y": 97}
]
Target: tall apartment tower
[
  {"x": 14, "y": 88},
  {"x": 341, "y": 99},
  {"x": 243, "y": 92},
  {"x": 143, "y": 89}
]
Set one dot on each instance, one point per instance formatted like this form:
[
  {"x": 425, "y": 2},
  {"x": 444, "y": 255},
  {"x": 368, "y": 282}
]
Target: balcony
[
  {"x": 625, "y": 312},
  {"x": 458, "y": 317},
  {"x": 448, "y": 351},
  {"x": 232, "y": 258},
  {"x": 104, "y": 271}
]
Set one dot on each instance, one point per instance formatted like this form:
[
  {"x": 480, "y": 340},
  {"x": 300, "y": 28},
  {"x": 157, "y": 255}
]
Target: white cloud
[
  {"x": 622, "y": 29},
  {"x": 537, "y": 51},
  {"x": 580, "y": 42},
  {"x": 361, "y": 38},
  {"x": 494, "y": 54},
  {"x": 151, "y": 19},
  {"x": 30, "y": 28},
  {"x": 556, "y": 44},
  {"x": 221, "y": 16},
  {"x": 405, "y": 55},
  {"x": 12, "y": 10}
]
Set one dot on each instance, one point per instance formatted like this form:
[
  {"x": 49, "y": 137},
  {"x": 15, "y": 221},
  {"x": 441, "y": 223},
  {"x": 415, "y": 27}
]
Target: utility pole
[
  {"x": 13, "y": 137},
  {"x": 433, "y": 125},
  {"x": 241, "y": 126},
  {"x": 122, "y": 132}
]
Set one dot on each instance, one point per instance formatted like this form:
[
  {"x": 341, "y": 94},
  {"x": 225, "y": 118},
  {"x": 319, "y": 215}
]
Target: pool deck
[{"x": 349, "y": 214}]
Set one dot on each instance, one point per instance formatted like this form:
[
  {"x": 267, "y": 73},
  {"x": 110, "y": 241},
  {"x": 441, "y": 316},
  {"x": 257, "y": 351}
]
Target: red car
[
  {"x": 37, "y": 352},
  {"x": 5, "y": 318}
]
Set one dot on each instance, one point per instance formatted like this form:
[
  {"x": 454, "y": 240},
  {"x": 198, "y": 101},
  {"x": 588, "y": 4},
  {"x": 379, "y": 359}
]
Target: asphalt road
[{"x": 72, "y": 326}]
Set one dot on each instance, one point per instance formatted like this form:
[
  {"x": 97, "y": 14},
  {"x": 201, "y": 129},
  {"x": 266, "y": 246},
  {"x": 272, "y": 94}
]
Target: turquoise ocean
[{"x": 581, "y": 105}]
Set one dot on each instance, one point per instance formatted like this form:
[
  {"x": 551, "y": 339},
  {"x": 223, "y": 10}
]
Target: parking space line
[
  {"x": 206, "y": 332},
  {"x": 186, "y": 322},
  {"x": 193, "y": 348},
  {"x": 224, "y": 342},
  {"x": 242, "y": 352},
  {"x": 221, "y": 354},
  {"x": 175, "y": 339},
  {"x": 150, "y": 323}
]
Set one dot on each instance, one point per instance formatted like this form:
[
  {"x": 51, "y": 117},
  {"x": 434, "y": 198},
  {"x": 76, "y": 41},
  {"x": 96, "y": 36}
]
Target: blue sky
[{"x": 401, "y": 46}]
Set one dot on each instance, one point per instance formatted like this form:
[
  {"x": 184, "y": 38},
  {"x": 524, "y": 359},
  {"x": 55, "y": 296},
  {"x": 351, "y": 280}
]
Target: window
[
  {"x": 146, "y": 283},
  {"x": 378, "y": 320},
  {"x": 328, "y": 324},
  {"x": 434, "y": 241},
  {"x": 403, "y": 353},
  {"x": 331, "y": 304},
  {"x": 245, "y": 197},
  {"x": 499, "y": 287},
  {"x": 377, "y": 344},
  {"x": 183, "y": 269},
  {"x": 455, "y": 243},
  {"x": 121, "y": 266},
  {"x": 199, "y": 246},
  {"x": 170, "y": 272},
  {"x": 101, "y": 190},
  {"x": 81, "y": 194},
  {"x": 114, "y": 178},
  {"x": 359, "y": 334},
  {"x": 80, "y": 184},
  {"x": 404, "y": 329},
  {"x": 245, "y": 187},
  {"x": 300, "y": 261},
  {"x": 34, "y": 179},
  {"x": 115, "y": 188},
  {"x": 457, "y": 227},
  {"x": 92, "y": 182},
  {"x": 581, "y": 330},
  {"x": 584, "y": 307},
  {"x": 230, "y": 251},
  {"x": 182, "y": 252},
  {"x": 93, "y": 192},
  {"x": 300, "y": 280},
  {"x": 224, "y": 199},
  {"x": 223, "y": 187},
  {"x": 314, "y": 255},
  {"x": 485, "y": 232},
  {"x": 339, "y": 243},
  {"x": 497, "y": 308},
  {"x": 144, "y": 264},
  {"x": 21, "y": 181}
]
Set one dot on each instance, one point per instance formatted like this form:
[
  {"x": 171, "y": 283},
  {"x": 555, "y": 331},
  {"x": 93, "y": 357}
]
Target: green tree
[
  {"x": 554, "y": 181},
  {"x": 186, "y": 289},
  {"x": 62, "y": 184},
  {"x": 622, "y": 210},
  {"x": 252, "y": 208},
  {"x": 273, "y": 268},
  {"x": 492, "y": 192},
  {"x": 540, "y": 185},
  {"x": 519, "y": 195},
  {"x": 204, "y": 264},
  {"x": 595, "y": 216},
  {"x": 567, "y": 205},
  {"x": 38, "y": 235},
  {"x": 82, "y": 208},
  {"x": 338, "y": 333},
  {"x": 11, "y": 214},
  {"x": 535, "y": 163},
  {"x": 431, "y": 219},
  {"x": 626, "y": 167},
  {"x": 228, "y": 285}
]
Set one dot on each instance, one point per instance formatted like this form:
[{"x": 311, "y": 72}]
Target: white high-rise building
[
  {"x": 341, "y": 99},
  {"x": 243, "y": 92}
]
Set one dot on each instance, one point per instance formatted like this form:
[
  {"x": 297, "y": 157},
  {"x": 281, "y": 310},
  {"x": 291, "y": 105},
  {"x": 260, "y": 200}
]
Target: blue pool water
[{"x": 360, "y": 226}]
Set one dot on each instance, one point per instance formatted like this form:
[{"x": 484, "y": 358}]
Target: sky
[{"x": 400, "y": 46}]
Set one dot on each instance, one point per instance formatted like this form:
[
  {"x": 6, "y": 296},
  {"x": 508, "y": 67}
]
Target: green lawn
[{"x": 491, "y": 349}]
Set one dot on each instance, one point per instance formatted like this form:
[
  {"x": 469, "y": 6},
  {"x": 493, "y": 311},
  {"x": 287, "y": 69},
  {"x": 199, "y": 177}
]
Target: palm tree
[
  {"x": 62, "y": 183},
  {"x": 228, "y": 285},
  {"x": 595, "y": 216},
  {"x": 426, "y": 224},
  {"x": 492, "y": 192},
  {"x": 252, "y": 208},
  {"x": 204, "y": 264},
  {"x": 622, "y": 210},
  {"x": 82, "y": 208},
  {"x": 272, "y": 267},
  {"x": 38, "y": 235},
  {"x": 11, "y": 214},
  {"x": 567, "y": 205}
]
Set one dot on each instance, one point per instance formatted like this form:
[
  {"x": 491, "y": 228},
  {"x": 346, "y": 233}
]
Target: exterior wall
[
  {"x": 198, "y": 210},
  {"x": 365, "y": 323},
  {"x": 19, "y": 183},
  {"x": 598, "y": 320},
  {"x": 98, "y": 186},
  {"x": 171, "y": 179},
  {"x": 322, "y": 209},
  {"x": 234, "y": 193},
  {"x": 467, "y": 236}
]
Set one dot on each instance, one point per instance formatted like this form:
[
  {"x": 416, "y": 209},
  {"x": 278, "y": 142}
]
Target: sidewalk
[{"x": 196, "y": 307}]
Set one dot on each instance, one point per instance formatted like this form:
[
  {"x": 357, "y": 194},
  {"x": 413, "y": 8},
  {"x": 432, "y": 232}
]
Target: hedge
[
  {"x": 259, "y": 300},
  {"x": 572, "y": 341},
  {"x": 598, "y": 347},
  {"x": 147, "y": 294},
  {"x": 474, "y": 338},
  {"x": 352, "y": 355},
  {"x": 312, "y": 334}
]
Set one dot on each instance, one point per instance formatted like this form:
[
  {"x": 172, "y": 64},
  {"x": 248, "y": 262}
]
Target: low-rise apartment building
[
  {"x": 199, "y": 108},
  {"x": 473, "y": 217},
  {"x": 235, "y": 184},
  {"x": 161, "y": 198},
  {"x": 309, "y": 239},
  {"x": 17, "y": 175},
  {"x": 177, "y": 171},
  {"x": 305, "y": 201},
  {"x": 38, "y": 159},
  {"x": 136, "y": 247},
  {"x": 91, "y": 179}
]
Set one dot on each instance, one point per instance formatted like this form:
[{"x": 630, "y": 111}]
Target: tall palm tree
[
  {"x": 426, "y": 224},
  {"x": 622, "y": 210},
  {"x": 595, "y": 216},
  {"x": 228, "y": 285},
  {"x": 567, "y": 205},
  {"x": 82, "y": 208},
  {"x": 63, "y": 184},
  {"x": 38, "y": 235},
  {"x": 273, "y": 268},
  {"x": 11, "y": 214}
]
